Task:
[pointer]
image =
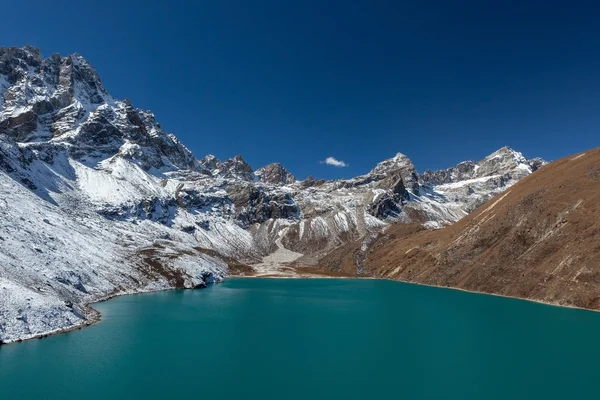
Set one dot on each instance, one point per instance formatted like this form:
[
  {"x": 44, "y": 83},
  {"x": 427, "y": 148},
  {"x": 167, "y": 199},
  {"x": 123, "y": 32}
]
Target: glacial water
[{"x": 313, "y": 339}]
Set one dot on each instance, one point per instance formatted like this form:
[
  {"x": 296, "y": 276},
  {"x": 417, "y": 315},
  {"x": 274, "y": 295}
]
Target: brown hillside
[{"x": 539, "y": 240}]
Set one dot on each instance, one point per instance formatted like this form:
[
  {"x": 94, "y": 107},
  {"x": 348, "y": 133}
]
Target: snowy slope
[{"x": 98, "y": 200}]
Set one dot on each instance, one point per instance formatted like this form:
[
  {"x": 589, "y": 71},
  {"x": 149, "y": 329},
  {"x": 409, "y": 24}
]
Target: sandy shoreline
[{"x": 95, "y": 316}]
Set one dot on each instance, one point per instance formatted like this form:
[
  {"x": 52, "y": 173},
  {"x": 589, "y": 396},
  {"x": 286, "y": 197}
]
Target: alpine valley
[{"x": 97, "y": 200}]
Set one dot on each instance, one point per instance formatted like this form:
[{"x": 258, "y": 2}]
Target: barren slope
[{"x": 538, "y": 240}]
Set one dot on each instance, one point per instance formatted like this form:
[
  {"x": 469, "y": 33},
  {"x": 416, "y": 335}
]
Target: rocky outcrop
[
  {"x": 385, "y": 207},
  {"x": 61, "y": 100},
  {"x": 400, "y": 166},
  {"x": 46, "y": 98},
  {"x": 15, "y": 62},
  {"x": 211, "y": 163},
  {"x": 19, "y": 126},
  {"x": 311, "y": 182},
  {"x": 236, "y": 168},
  {"x": 232, "y": 168},
  {"x": 276, "y": 174},
  {"x": 462, "y": 171},
  {"x": 255, "y": 205}
]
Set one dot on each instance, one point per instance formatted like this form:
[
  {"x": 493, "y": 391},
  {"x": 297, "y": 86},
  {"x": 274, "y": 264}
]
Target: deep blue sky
[{"x": 298, "y": 81}]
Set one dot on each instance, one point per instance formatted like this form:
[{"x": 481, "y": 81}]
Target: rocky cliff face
[
  {"x": 94, "y": 175},
  {"x": 60, "y": 104},
  {"x": 275, "y": 174}
]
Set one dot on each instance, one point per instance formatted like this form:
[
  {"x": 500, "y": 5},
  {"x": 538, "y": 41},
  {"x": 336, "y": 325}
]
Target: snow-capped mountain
[
  {"x": 538, "y": 240},
  {"x": 97, "y": 200}
]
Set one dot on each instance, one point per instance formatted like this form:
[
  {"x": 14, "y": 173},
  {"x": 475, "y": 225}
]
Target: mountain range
[
  {"x": 538, "y": 240},
  {"x": 98, "y": 200}
]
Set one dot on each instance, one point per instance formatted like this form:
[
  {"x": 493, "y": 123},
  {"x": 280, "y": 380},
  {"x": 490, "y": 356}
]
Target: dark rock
[
  {"x": 312, "y": 182},
  {"x": 253, "y": 204},
  {"x": 28, "y": 183},
  {"x": 385, "y": 207},
  {"x": 275, "y": 173},
  {"x": 19, "y": 126},
  {"x": 462, "y": 171},
  {"x": 536, "y": 163},
  {"x": 188, "y": 229},
  {"x": 395, "y": 183},
  {"x": 236, "y": 168},
  {"x": 204, "y": 225},
  {"x": 211, "y": 163},
  {"x": 400, "y": 166}
]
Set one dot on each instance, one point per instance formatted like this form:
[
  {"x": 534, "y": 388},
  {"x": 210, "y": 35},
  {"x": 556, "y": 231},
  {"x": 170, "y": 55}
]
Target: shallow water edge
[{"x": 95, "y": 316}]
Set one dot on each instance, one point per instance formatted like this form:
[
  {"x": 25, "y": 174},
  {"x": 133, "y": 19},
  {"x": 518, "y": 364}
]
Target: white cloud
[{"x": 333, "y": 161}]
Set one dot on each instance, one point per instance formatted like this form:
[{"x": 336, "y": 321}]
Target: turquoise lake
[{"x": 313, "y": 339}]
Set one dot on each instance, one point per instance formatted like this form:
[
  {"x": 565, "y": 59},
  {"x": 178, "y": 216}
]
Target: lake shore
[
  {"x": 93, "y": 316},
  {"x": 531, "y": 300},
  {"x": 312, "y": 273},
  {"x": 314, "y": 333}
]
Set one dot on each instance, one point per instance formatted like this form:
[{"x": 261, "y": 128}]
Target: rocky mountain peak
[
  {"x": 401, "y": 166},
  {"x": 401, "y": 157},
  {"x": 15, "y": 61},
  {"x": 399, "y": 161},
  {"x": 235, "y": 168},
  {"x": 501, "y": 161},
  {"x": 506, "y": 153},
  {"x": 275, "y": 173},
  {"x": 62, "y": 100},
  {"x": 87, "y": 83},
  {"x": 504, "y": 162},
  {"x": 211, "y": 163}
]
